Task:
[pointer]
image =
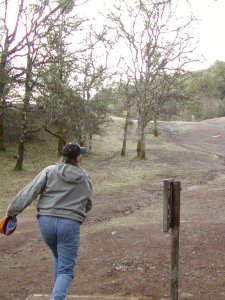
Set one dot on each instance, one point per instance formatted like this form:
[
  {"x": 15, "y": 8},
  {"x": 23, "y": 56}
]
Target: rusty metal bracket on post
[{"x": 171, "y": 219}]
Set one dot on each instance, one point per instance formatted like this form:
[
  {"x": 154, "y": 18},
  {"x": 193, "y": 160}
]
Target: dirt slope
[{"x": 123, "y": 249}]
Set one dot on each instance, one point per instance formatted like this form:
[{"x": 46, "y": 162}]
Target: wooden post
[
  {"x": 175, "y": 224},
  {"x": 167, "y": 203},
  {"x": 171, "y": 219}
]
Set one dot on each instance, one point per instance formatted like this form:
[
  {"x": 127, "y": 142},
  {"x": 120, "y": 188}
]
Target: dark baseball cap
[{"x": 72, "y": 150}]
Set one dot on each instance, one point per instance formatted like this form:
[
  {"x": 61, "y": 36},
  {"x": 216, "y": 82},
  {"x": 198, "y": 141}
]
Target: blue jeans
[{"x": 62, "y": 235}]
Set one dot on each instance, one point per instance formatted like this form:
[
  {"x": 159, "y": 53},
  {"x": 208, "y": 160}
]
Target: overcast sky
[{"x": 210, "y": 29}]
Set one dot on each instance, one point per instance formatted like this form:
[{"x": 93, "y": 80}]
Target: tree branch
[{"x": 55, "y": 134}]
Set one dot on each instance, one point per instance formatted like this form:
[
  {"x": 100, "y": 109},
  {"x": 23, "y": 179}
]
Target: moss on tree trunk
[
  {"x": 139, "y": 148},
  {"x": 155, "y": 130},
  {"x": 141, "y": 144},
  {"x": 19, "y": 161},
  {"x": 23, "y": 133},
  {"x": 123, "y": 151},
  {"x": 2, "y": 142}
]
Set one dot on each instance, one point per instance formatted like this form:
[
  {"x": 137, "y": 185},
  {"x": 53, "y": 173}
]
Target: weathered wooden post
[{"x": 171, "y": 219}]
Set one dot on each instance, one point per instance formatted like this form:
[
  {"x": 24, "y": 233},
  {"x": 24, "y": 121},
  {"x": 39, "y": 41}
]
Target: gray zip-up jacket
[{"x": 64, "y": 190}]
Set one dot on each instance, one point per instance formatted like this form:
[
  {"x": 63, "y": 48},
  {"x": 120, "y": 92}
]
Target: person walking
[{"x": 65, "y": 196}]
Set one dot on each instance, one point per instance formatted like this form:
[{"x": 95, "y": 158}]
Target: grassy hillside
[{"x": 109, "y": 171}]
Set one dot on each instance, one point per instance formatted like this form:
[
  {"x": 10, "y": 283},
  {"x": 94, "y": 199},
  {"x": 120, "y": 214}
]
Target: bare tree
[
  {"x": 127, "y": 92},
  {"x": 157, "y": 44},
  {"x": 93, "y": 78}
]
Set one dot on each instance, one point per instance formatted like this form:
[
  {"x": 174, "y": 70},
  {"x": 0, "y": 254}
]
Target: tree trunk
[
  {"x": 3, "y": 81},
  {"x": 90, "y": 143},
  {"x": 139, "y": 148},
  {"x": 138, "y": 120},
  {"x": 155, "y": 129},
  {"x": 19, "y": 161},
  {"x": 61, "y": 139},
  {"x": 141, "y": 144},
  {"x": 2, "y": 141},
  {"x": 23, "y": 133},
  {"x": 123, "y": 151},
  {"x": 26, "y": 102}
]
